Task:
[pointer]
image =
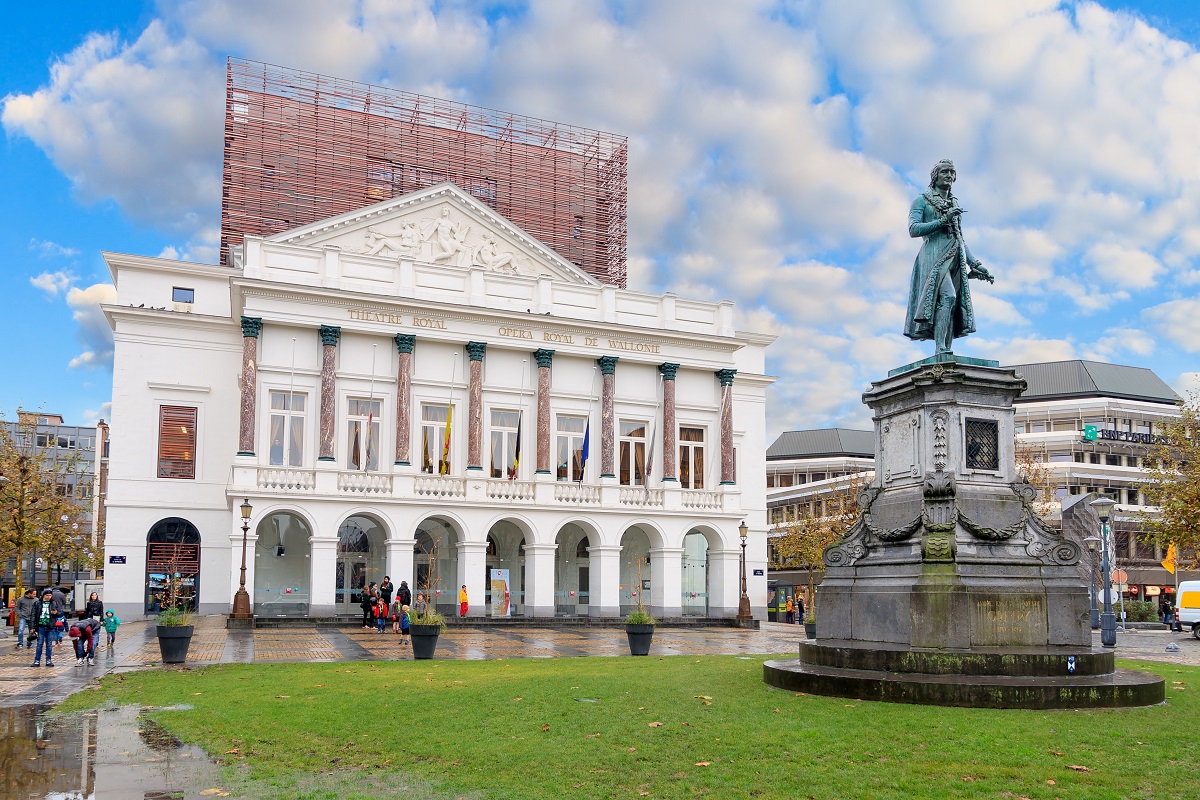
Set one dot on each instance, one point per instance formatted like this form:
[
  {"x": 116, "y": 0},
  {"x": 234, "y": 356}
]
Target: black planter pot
[
  {"x": 810, "y": 630},
  {"x": 173, "y": 642},
  {"x": 639, "y": 639},
  {"x": 424, "y": 640}
]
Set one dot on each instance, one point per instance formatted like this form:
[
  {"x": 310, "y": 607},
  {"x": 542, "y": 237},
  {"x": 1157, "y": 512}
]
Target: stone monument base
[{"x": 1036, "y": 678}]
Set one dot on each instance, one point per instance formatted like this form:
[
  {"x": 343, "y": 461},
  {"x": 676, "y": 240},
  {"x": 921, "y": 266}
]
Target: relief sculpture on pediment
[
  {"x": 377, "y": 242},
  {"x": 488, "y": 255},
  {"x": 448, "y": 238}
]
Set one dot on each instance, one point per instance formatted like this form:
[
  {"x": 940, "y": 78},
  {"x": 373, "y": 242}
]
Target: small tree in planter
[
  {"x": 426, "y": 626},
  {"x": 175, "y": 626},
  {"x": 639, "y": 625}
]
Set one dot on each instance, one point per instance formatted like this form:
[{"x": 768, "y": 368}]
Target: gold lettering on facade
[
  {"x": 426, "y": 322},
  {"x": 591, "y": 341},
  {"x": 633, "y": 347},
  {"x": 560, "y": 338},
  {"x": 515, "y": 333},
  {"x": 364, "y": 315}
]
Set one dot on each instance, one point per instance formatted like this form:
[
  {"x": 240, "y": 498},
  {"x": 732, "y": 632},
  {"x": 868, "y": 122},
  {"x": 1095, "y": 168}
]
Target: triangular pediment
[{"x": 439, "y": 225}]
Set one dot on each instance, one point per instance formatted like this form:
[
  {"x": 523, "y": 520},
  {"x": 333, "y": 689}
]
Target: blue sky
[{"x": 775, "y": 148}]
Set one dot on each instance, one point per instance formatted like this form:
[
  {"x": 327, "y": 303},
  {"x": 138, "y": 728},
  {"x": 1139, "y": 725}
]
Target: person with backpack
[
  {"x": 404, "y": 595},
  {"x": 45, "y": 617},
  {"x": 110, "y": 624}
]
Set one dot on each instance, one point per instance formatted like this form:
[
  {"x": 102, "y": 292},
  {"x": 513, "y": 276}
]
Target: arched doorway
[
  {"x": 505, "y": 564},
  {"x": 435, "y": 562},
  {"x": 572, "y": 572},
  {"x": 694, "y": 580},
  {"x": 361, "y": 560},
  {"x": 635, "y": 570},
  {"x": 282, "y": 571},
  {"x": 172, "y": 564}
]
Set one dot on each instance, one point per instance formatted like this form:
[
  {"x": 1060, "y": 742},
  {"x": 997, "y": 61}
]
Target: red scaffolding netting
[{"x": 301, "y": 147}]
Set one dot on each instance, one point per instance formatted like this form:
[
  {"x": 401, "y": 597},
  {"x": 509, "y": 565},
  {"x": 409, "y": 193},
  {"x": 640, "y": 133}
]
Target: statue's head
[{"x": 938, "y": 167}]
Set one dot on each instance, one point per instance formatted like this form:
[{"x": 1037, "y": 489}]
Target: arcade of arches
[{"x": 292, "y": 573}]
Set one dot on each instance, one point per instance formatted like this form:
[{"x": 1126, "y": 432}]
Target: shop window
[
  {"x": 1037, "y": 427},
  {"x": 176, "y": 442},
  {"x": 1060, "y": 457},
  {"x": 286, "y": 447},
  {"x": 818, "y": 476},
  {"x": 1063, "y": 425},
  {"x": 785, "y": 480},
  {"x": 1094, "y": 458}
]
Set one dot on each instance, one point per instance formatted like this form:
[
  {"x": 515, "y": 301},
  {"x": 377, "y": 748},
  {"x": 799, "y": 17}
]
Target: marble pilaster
[
  {"x": 329, "y": 339},
  {"x": 670, "y": 453},
  {"x": 404, "y": 354},
  {"x": 544, "y": 360},
  {"x": 251, "y": 327},
  {"x": 475, "y": 352},
  {"x": 608, "y": 377},
  {"x": 727, "y": 460}
]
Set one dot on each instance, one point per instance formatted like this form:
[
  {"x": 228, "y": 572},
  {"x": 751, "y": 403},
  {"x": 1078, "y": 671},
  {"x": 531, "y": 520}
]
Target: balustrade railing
[
  {"x": 287, "y": 480},
  {"x": 576, "y": 493},
  {"x": 641, "y": 496},
  {"x": 440, "y": 486},
  {"x": 511, "y": 491},
  {"x": 700, "y": 500},
  {"x": 364, "y": 482}
]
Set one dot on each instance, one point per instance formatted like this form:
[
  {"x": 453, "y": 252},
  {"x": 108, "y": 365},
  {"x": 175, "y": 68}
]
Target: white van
[{"x": 1187, "y": 606}]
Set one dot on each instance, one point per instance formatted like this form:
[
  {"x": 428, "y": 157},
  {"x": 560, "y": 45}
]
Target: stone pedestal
[{"x": 949, "y": 565}]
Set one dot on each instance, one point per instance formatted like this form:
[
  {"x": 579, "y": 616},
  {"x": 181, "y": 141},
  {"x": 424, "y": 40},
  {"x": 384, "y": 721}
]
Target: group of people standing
[
  {"x": 44, "y": 621},
  {"x": 379, "y": 608}
]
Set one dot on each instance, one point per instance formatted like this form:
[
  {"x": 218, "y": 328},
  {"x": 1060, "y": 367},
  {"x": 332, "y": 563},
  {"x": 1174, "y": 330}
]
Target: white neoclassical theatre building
[{"x": 419, "y": 389}]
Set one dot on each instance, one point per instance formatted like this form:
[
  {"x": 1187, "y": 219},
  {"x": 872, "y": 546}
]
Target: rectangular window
[
  {"x": 633, "y": 453},
  {"x": 46, "y": 440},
  {"x": 66, "y": 442},
  {"x": 435, "y": 455},
  {"x": 1037, "y": 427},
  {"x": 287, "y": 429},
  {"x": 569, "y": 448},
  {"x": 1057, "y": 457},
  {"x": 1093, "y": 458},
  {"x": 1131, "y": 461},
  {"x": 362, "y": 434},
  {"x": 1019, "y": 427},
  {"x": 691, "y": 458},
  {"x": 983, "y": 444},
  {"x": 1143, "y": 426},
  {"x": 1063, "y": 425},
  {"x": 506, "y": 427},
  {"x": 176, "y": 442},
  {"x": 181, "y": 295},
  {"x": 1112, "y": 461},
  {"x": 818, "y": 476},
  {"x": 770, "y": 481},
  {"x": 785, "y": 480}
]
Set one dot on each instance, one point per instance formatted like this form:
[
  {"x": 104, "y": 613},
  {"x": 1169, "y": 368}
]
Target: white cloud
[
  {"x": 94, "y": 331},
  {"x": 1118, "y": 343},
  {"x": 1177, "y": 321},
  {"x": 46, "y": 249},
  {"x": 104, "y": 412},
  {"x": 1123, "y": 266},
  {"x": 53, "y": 283},
  {"x": 1187, "y": 384}
]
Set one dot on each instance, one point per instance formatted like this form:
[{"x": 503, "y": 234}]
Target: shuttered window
[{"x": 176, "y": 442}]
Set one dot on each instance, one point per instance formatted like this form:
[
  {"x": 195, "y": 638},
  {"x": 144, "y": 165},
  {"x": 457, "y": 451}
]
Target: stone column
[
  {"x": 475, "y": 407},
  {"x": 544, "y": 359},
  {"x": 251, "y": 327},
  {"x": 400, "y": 562},
  {"x": 608, "y": 373},
  {"x": 329, "y": 339},
  {"x": 670, "y": 453},
  {"x": 472, "y": 570},
  {"x": 605, "y": 577},
  {"x": 539, "y": 580},
  {"x": 404, "y": 349},
  {"x": 323, "y": 570},
  {"x": 727, "y": 460}
]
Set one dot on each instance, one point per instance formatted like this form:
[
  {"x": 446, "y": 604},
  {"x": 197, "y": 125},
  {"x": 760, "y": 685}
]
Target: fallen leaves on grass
[
  {"x": 516, "y": 699},
  {"x": 1078, "y": 767},
  {"x": 546, "y": 727},
  {"x": 706, "y": 703},
  {"x": 1051, "y": 782},
  {"x": 590, "y": 735},
  {"x": 282, "y": 696},
  {"x": 215, "y": 793},
  {"x": 1056, "y": 753},
  {"x": 703, "y": 763},
  {"x": 656, "y": 724},
  {"x": 702, "y": 697},
  {"x": 232, "y": 752},
  {"x": 776, "y": 711}
]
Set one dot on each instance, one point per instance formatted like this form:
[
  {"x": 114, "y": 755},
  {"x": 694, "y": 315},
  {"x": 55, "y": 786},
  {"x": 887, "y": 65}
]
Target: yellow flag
[{"x": 1169, "y": 563}]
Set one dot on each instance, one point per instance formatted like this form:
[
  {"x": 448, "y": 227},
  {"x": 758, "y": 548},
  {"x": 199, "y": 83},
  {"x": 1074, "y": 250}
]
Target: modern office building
[{"x": 1089, "y": 423}]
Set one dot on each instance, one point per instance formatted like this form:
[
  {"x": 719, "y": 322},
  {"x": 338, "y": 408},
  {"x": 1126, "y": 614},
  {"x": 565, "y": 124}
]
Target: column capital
[
  {"x": 726, "y": 376},
  {"x": 329, "y": 334},
  {"x": 405, "y": 342},
  {"x": 608, "y": 365},
  {"x": 475, "y": 350},
  {"x": 543, "y": 357},
  {"x": 668, "y": 371},
  {"x": 251, "y": 327}
]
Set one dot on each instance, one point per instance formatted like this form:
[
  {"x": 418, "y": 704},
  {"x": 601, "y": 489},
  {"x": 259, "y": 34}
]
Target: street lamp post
[
  {"x": 744, "y": 600},
  {"x": 1093, "y": 544},
  {"x": 241, "y": 600},
  {"x": 1108, "y": 621}
]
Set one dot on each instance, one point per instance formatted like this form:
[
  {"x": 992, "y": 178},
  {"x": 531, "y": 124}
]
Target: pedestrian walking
[
  {"x": 110, "y": 627},
  {"x": 462, "y": 601},
  {"x": 59, "y": 601},
  {"x": 25, "y": 624},
  {"x": 94, "y": 607},
  {"x": 790, "y": 612},
  {"x": 44, "y": 616},
  {"x": 799, "y": 610}
]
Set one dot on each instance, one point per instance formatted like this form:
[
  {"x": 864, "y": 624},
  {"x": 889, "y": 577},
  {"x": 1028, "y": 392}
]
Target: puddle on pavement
[{"x": 100, "y": 755}]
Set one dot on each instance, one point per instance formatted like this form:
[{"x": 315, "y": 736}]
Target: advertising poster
[{"x": 500, "y": 596}]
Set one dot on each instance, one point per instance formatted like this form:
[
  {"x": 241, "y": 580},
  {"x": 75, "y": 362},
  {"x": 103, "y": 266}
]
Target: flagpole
[
  {"x": 370, "y": 410},
  {"x": 291, "y": 404},
  {"x": 520, "y": 417},
  {"x": 445, "y": 460},
  {"x": 587, "y": 428}
]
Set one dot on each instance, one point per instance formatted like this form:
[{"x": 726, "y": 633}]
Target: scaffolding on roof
[{"x": 301, "y": 147}]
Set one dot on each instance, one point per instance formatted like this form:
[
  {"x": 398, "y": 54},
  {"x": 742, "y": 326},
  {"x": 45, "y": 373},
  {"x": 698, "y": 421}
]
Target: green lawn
[{"x": 654, "y": 727}]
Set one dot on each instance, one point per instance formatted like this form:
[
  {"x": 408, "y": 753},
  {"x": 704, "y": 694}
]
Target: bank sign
[{"x": 1091, "y": 433}]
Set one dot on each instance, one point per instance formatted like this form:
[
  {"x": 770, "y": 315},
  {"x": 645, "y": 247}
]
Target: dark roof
[
  {"x": 1063, "y": 380},
  {"x": 822, "y": 442}
]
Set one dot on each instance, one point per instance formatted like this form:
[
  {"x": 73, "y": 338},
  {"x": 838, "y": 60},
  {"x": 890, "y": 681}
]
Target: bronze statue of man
[{"x": 939, "y": 300}]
